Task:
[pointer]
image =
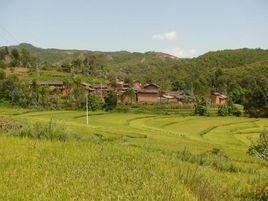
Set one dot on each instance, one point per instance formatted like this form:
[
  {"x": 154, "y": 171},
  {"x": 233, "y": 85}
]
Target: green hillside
[
  {"x": 214, "y": 71},
  {"x": 121, "y": 58}
]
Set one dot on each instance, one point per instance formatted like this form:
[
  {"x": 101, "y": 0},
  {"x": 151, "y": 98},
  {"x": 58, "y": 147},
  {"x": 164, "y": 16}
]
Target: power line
[
  {"x": 4, "y": 38},
  {"x": 10, "y": 34}
]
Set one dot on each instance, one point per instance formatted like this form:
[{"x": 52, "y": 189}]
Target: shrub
[
  {"x": 228, "y": 110},
  {"x": 128, "y": 97},
  {"x": 236, "y": 111},
  {"x": 223, "y": 110},
  {"x": 201, "y": 107},
  {"x": 122, "y": 108},
  {"x": 94, "y": 102},
  {"x": 260, "y": 149},
  {"x": 110, "y": 101}
]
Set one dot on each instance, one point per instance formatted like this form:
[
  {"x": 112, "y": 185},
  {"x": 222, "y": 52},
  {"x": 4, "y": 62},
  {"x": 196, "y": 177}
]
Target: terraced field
[{"x": 135, "y": 157}]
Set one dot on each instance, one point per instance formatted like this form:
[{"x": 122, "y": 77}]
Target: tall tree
[
  {"x": 25, "y": 57},
  {"x": 15, "y": 56},
  {"x": 256, "y": 99}
]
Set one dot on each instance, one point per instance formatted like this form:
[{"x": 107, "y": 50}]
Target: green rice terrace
[{"x": 128, "y": 156}]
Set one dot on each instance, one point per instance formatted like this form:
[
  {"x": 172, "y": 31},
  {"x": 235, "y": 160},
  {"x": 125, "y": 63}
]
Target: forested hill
[
  {"x": 57, "y": 56},
  {"x": 232, "y": 58},
  {"x": 218, "y": 70},
  {"x": 127, "y": 61}
]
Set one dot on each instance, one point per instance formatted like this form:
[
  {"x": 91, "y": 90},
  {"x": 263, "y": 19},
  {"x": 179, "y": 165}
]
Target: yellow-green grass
[{"x": 140, "y": 158}]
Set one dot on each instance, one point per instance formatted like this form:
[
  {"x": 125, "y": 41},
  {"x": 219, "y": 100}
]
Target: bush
[
  {"x": 236, "y": 112},
  {"x": 223, "y": 110},
  {"x": 122, "y": 108},
  {"x": 110, "y": 101},
  {"x": 228, "y": 110},
  {"x": 201, "y": 107},
  {"x": 260, "y": 149},
  {"x": 94, "y": 102}
]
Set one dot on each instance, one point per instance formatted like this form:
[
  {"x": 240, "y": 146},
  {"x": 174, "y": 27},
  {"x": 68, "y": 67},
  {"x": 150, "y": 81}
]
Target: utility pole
[{"x": 87, "y": 107}]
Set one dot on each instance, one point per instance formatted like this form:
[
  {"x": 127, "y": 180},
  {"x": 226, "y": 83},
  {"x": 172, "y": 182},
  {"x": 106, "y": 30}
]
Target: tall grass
[{"x": 52, "y": 130}]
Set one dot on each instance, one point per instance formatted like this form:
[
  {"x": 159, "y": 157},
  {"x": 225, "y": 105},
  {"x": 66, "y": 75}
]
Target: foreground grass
[{"x": 134, "y": 157}]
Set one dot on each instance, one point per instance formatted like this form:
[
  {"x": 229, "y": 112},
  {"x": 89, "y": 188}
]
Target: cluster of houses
[{"x": 143, "y": 93}]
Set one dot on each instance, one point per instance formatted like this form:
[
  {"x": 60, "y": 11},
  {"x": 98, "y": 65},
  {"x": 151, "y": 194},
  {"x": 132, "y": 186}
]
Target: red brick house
[
  {"x": 218, "y": 99},
  {"x": 149, "y": 93}
]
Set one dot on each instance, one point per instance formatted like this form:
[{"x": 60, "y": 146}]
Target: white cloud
[
  {"x": 180, "y": 53},
  {"x": 166, "y": 36}
]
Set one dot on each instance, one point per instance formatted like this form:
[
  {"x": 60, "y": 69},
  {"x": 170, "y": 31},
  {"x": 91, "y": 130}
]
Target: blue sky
[{"x": 185, "y": 28}]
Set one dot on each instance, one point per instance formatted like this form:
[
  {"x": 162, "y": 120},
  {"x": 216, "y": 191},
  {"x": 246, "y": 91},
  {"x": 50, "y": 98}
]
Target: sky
[{"x": 183, "y": 28}]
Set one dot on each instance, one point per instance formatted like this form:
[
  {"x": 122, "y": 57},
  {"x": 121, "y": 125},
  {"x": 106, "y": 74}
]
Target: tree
[
  {"x": 76, "y": 97},
  {"x": 19, "y": 95},
  {"x": 128, "y": 96},
  {"x": 128, "y": 80},
  {"x": 66, "y": 67},
  {"x": 25, "y": 58},
  {"x": 3, "y": 53},
  {"x": 256, "y": 98},
  {"x": 110, "y": 101},
  {"x": 77, "y": 65},
  {"x": 94, "y": 102},
  {"x": 2, "y": 74},
  {"x": 237, "y": 94},
  {"x": 15, "y": 56},
  {"x": 43, "y": 91},
  {"x": 178, "y": 85},
  {"x": 201, "y": 107},
  {"x": 92, "y": 65},
  {"x": 218, "y": 81}
]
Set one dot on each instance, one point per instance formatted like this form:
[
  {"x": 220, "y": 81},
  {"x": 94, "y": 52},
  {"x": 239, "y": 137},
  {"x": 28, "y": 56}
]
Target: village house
[
  {"x": 99, "y": 90},
  {"x": 87, "y": 87},
  {"x": 218, "y": 99},
  {"x": 54, "y": 86},
  {"x": 149, "y": 93},
  {"x": 172, "y": 96}
]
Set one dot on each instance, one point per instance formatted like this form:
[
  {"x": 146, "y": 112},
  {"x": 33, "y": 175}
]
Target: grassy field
[{"x": 127, "y": 156}]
